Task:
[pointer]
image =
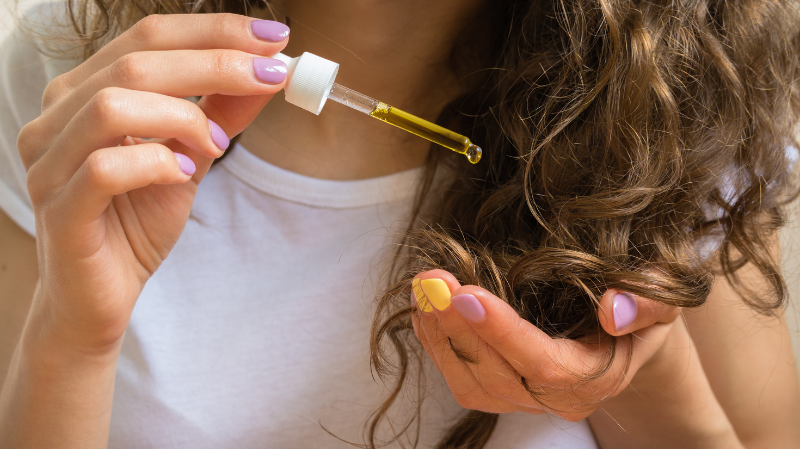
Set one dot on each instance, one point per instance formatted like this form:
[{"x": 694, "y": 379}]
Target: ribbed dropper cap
[{"x": 309, "y": 80}]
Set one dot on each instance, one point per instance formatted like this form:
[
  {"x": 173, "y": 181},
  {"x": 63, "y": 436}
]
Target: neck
[{"x": 397, "y": 52}]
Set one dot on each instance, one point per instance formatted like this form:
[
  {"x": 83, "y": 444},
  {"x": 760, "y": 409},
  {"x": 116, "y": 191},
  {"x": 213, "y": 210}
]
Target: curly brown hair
[
  {"x": 642, "y": 145},
  {"x": 627, "y": 142}
]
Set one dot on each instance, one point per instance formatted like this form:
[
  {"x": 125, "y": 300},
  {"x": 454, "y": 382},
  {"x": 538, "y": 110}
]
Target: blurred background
[
  {"x": 790, "y": 237},
  {"x": 790, "y": 258}
]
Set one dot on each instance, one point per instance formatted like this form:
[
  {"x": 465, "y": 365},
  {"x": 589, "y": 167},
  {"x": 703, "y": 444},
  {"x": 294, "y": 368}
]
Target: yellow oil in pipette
[
  {"x": 428, "y": 130},
  {"x": 406, "y": 121}
]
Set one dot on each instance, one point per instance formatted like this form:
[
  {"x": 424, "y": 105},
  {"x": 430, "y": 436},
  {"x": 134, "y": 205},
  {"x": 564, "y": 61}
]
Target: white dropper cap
[{"x": 309, "y": 81}]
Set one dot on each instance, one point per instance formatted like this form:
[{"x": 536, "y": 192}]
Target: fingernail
[
  {"x": 270, "y": 71},
  {"x": 437, "y": 292},
  {"x": 469, "y": 307},
  {"x": 269, "y": 30},
  {"x": 187, "y": 165},
  {"x": 624, "y": 310},
  {"x": 419, "y": 295},
  {"x": 218, "y": 136}
]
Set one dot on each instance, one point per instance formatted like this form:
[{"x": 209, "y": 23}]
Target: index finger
[{"x": 178, "y": 32}]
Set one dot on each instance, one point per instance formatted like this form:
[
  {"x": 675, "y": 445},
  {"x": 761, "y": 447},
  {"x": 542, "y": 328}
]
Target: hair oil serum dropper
[
  {"x": 406, "y": 121},
  {"x": 310, "y": 82}
]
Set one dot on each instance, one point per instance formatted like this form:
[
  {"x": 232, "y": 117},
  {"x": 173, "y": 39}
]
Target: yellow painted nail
[
  {"x": 419, "y": 295},
  {"x": 437, "y": 292}
]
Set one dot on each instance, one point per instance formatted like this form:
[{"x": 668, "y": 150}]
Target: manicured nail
[
  {"x": 419, "y": 295},
  {"x": 186, "y": 164},
  {"x": 270, "y": 71},
  {"x": 437, "y": 292},
  {"x": 469, "y": 307},
  {"x": 624, "y": 310},
  {"x": 269, "y": 30},
  {"x": 218, "y": 136}
]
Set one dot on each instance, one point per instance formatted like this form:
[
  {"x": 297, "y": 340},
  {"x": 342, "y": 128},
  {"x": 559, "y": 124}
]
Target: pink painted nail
[
  {"x": 187, "y": 165},
  {"x": 624, "y": 310},
  {"x": 270, "y": 71},
  {"x": 218, "y": 136},
  {"x": 469, "y": 307},
  {"x": 269, "y": 30}
]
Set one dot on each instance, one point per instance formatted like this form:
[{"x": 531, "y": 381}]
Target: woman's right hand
[{"x": 109, "y": 205}]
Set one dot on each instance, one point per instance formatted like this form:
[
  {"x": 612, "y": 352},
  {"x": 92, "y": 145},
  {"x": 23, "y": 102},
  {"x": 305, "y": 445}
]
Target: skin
[
  {"x": 378, "y": 56},
  {"x": 106, "y": 216},
  {"x": 763, "y": 399},
  {"x": 654, "y": 404}
]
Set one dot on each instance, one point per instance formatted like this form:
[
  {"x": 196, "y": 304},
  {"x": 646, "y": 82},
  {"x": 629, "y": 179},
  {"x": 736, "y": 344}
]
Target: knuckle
[
  {"x": 27, "y": 142},
  {"x": 148, "y": 29},
  {"x": 162, "y": 156},
  {"x": 223, "y": 64},
  {"x": 54, "y": 90},
  {"x": 37, "y": 191},
  {"x": 228, "y": 24},
  {"x": 129, "y": 69},
  {"x": 100, "y": 168},
  {"x": 193, "y": 117},
  {"x": 507, "y": 335},
  {"x": 107, "y": 105}
]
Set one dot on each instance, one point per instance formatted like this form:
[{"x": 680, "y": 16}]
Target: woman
[{"x": 252, "y": 334}]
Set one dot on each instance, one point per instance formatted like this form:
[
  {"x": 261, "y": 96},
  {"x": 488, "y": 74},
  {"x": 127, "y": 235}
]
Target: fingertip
[
  {"x": 437, "y": 292},
  {"x": 186, "y": 165},
  {"x": 446, "y": 276},
  {"x": 622, "y": 312},
  {"x": 618, "y": 310},
  {"x": 432, "y": 289},
  {"x": 270, "y": 30},
  {"x": 469, "y": 307},
  {"x": 419, "y": 296},
  {"x": 218, "y": 136},
  {"x": 476, "y": 304}
]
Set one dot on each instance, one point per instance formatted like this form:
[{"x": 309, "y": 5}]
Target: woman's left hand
[{"x": 488, "y": 354}]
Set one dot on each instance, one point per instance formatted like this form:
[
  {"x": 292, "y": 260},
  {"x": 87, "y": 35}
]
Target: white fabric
[{"x": 255, "y": 329}]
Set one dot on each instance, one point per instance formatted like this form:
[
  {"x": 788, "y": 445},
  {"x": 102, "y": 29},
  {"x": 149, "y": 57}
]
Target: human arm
[
  {"x": 109, "y": 206},
  {"x": 669, "y": 403},
  {"x": 506, "y": 349},
  {"x": 749, "y": 363}
]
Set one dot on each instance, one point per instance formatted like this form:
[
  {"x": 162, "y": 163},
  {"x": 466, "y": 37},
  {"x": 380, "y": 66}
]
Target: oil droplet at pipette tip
[{"x": 474, "y": 153}]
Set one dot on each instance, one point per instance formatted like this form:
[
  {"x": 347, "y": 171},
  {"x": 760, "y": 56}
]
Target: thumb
[{"x": 622, "y": 312}]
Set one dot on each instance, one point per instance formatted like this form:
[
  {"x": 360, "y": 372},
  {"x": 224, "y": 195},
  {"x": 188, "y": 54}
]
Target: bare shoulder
[{"x": 19, "y": 273}]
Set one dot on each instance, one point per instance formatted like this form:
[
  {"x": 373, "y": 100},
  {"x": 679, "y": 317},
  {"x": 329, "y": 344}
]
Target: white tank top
[{"x": 254, "y": 332}]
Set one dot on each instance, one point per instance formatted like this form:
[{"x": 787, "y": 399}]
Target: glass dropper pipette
[{"x": 406, "y": 121}]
